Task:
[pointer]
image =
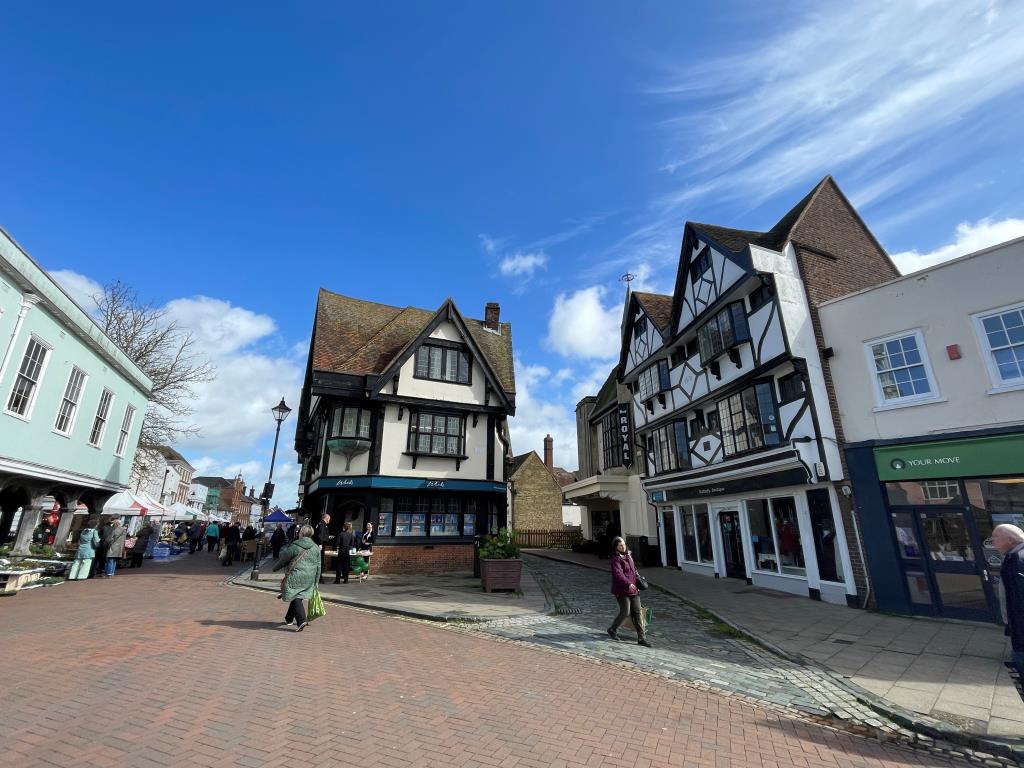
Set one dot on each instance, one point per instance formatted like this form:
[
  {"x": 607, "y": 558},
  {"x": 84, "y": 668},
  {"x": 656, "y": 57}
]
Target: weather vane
[{"x": 627, "y": 278}]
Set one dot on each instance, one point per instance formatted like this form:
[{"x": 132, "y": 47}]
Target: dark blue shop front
[{"x": 928, "y": 508}]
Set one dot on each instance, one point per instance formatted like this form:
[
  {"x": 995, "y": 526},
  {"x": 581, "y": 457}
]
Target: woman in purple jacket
[{"x": 625, "y": 591}]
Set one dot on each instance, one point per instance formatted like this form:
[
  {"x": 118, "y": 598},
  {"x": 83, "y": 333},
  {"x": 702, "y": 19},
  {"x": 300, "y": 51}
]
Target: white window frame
[
  {"x": 124, "y": 432},
  {"x": 77, "y": 405},
  {"x": 998, "y": 385},
  {"x": 689, "y": 510},
  {"x": 881, "y": 403},
  {"x": 106, "y": 419},
  {"x": 27, "y": 416}
]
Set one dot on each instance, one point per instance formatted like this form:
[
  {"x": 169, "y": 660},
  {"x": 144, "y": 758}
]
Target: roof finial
[{"x": 627, "y": 278}]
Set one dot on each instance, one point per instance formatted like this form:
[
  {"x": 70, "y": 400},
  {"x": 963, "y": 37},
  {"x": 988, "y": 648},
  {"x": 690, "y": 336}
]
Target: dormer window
[
  {"x": 726, "y": 330},
  {"x": 653, "y": 380},
  {"x": 439, "y": 363}
]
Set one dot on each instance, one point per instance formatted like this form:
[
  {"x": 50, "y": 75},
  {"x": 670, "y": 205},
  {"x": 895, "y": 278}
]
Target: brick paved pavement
[{"x": 167, "y": 666}]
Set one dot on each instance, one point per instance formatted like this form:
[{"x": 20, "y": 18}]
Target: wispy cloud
[
  {"x": 969, "y": 237},
  {"x": 881, "y": 94},
  {"x": 522, "y": 264}
]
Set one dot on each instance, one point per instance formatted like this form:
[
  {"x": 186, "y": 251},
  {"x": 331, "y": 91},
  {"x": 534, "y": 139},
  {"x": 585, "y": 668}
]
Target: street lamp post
[{"x": 280, "y": 412}]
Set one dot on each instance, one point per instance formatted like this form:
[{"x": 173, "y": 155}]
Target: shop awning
[{"x": 126, "y": 503}]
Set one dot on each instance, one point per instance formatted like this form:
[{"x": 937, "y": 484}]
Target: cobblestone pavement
[{"x": 168, "y": 666}]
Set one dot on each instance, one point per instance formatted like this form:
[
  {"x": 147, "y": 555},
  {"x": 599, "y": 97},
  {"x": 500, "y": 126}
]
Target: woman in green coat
[{"x": 302, "y": 560}]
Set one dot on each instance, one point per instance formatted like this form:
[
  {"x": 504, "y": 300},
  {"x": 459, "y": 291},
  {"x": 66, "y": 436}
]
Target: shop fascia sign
[
  {"x": 625, "y": 435},
  {"x": 407, "y": 482},
  {"x": 979, "y": 456}
]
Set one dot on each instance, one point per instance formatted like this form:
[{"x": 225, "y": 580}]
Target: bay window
[
  {"x": 668, "y": 446},
  {"x": 611, "y": 441},
  {"x": 348, "y": 421},
  {"x": 748, "y": 420},
  {"x": 725, "y": 330},
  {"x": 653, "y": 380}
]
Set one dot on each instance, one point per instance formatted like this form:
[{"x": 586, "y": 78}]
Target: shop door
[
  {"x": 955, "y": 559},
  {"x": 668, "y": 530},
  {"x": 732, "y": 545}
]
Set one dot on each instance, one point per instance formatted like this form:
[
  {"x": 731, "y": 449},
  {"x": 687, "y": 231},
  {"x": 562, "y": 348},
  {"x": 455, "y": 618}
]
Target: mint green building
[{"x": 71, "y": 402}]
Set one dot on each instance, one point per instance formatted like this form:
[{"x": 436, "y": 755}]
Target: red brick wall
[
  {"x": 416, "y": 558},
  {"x": 838, "y": 255}
]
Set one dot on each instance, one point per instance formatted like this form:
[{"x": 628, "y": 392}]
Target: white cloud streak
[
  {"x": 969, "y": 237},
  {"x": 522, "y": 264},
  {"x": 583, "y": 326}
]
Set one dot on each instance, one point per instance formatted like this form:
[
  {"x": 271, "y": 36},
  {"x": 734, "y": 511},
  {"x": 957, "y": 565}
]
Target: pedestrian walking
[
  {"x": 346, "y": 539},
  {"x": 195, "y": 533},
  {"x": 231, "y": 538},
  {"x": 86, "y": 553},
  {"x": 212, "y": 536},
  {"x": 277, "y": 540},
  {"x": 1009, "y": 540},
  {"x": 624, "y": 587},
  {"x": 302, "y": 563},
  {"x": 116, "y": 549},
  {"x": 138, "y": 549},
  {"x": 322, "y": 537}
]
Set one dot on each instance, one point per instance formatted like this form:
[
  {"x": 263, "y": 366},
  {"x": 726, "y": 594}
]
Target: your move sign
[{"x": 979, "y": 456}]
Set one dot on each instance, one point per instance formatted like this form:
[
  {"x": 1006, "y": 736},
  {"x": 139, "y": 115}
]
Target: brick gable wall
[
  {"x": 837, "y": 255},
  {"x": 536, "y": 499}
]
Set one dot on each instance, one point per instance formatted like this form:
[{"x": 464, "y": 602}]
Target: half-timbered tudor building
[
  {"x": 733, "y": 404},
  {"x": 403, "y": 423}
]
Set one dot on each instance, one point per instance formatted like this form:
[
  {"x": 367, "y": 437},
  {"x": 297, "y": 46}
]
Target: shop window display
[
  {"x": 775, "y": 536},
  {"x": 761, "y": 538},
  {"x": 696, "y": 534}
]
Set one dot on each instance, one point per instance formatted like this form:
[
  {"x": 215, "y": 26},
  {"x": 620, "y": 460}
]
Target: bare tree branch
[{"x": 164, "y": 351}]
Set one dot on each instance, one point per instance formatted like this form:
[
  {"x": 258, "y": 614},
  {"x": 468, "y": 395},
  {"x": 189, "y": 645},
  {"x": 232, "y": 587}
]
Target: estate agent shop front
[
  {"x": 772, "y": 530},
  {"x": 928, "y": 510}
]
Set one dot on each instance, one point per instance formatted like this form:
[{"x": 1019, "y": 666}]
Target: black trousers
[
  {"x": 296, "y": 611},
  {"x": 101, "y": 560},
  {"x": 343, "y": 564},
  {"x": 210, "y": 543},
  {"x": 193, "y": 545},
  {"x": 277, "y": 550}
]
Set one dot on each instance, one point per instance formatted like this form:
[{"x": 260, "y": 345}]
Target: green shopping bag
[{"x": 316, "y": 606}]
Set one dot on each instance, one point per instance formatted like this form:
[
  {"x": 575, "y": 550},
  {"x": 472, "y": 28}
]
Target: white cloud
[
  {"x": 581, "y": 325},
  {"x": 536, "y": 417},
  {"x": 254, "y": 474},
  {"x": 522, "y": 264},
  {"x": 218, "y": 325},
  {"x": 590, "y": 383},
  {"x": 970, "y": 237},
  {"x": 79, "y": 287},
  {"x": 561, "y": 376}
]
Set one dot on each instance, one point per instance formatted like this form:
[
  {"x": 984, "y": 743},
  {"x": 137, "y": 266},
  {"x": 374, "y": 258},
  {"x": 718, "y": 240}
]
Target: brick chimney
[
  {"x": 549, "y": 452},
  {"x": 491, "y": 314}
]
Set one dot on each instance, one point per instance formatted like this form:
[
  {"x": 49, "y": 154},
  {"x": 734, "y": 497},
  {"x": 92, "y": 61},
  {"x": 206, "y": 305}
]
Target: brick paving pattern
[{"x": 167, "y": 666}]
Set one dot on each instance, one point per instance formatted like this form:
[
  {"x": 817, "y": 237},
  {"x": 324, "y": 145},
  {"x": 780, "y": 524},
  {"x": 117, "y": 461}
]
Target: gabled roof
[
  {"x": 363, "y": 338},
  {"x": 658, "y": 307},
  {"x": 518, "y": 461},
  {"x": 168, "y": 453},
  {"x": 608, "y": 395},
  {"x": 563, "y": 476}
]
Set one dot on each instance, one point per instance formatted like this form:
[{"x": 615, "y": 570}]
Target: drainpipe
[
  {"x": 27, "y": 302},
  {"x": 860, "y": 549}
]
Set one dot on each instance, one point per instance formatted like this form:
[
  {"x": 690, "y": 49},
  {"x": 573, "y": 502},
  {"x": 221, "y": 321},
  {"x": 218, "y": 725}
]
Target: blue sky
[{"x": 228, "y": 159}]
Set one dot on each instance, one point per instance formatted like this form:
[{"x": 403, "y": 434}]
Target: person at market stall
[
  {"x": 212, "y": 535},
  {"x": 87, "y": 544},
  {"x": 322, "y": 537},
  {"x": 249, "y": 534},
  {"x": 180, "y": 533},
  {"x": 302, "y": 561},
  {"x": 195, "y": 534},
  {"x": 277, "y": 540},
  {"x": 115, "y": 549},
  {"x": 139, "y": 547},
  {"x": 106, "y": 532},
  {"x": 368, "y": 537}
]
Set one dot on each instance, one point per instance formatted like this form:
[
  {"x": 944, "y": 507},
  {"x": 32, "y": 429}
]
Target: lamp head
[{"x": 280, "y": 411}]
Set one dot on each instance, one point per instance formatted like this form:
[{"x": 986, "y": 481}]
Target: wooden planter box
[
  {"x": 500, "y": 574},
  {"x": 12, "y": 581}
]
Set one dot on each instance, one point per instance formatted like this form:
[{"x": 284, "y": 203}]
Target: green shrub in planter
[{"x": 500, "y": 547}]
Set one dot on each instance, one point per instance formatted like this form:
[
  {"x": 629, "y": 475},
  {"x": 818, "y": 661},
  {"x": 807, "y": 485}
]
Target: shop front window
[
  {"x": 947, "y": 537},
  {"x": 826, "y": 536},
  {"x": 787, "y": 533},
  {"x": 915, "y": 493},
  {"x": 433, "y": 516},
  {"x": 761, "y": 538},
  {"x": 696, "y": 534}
]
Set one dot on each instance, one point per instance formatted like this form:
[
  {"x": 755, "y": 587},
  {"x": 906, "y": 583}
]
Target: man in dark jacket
[
  {"x": 1009, "y": 540},
  {"x": 322, "y": 537},
  {"x": 277, "y": 540},
  {"x": 231, "y": 538},
  {"x": 343, "y": 563},
  {"x": 106, "y": 537}
]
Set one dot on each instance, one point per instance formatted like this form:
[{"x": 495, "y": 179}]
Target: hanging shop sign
[
  {"x": 976, "y": 456},
  {"x": 625, "y": 435}
]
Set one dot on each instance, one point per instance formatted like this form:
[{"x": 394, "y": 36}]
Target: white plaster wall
[
  {"x": 396, "y": 435},
  {"x": 360, "y": 464},
  {"x": 644, "y": 347},
  {"x": 939, "y": 301}
]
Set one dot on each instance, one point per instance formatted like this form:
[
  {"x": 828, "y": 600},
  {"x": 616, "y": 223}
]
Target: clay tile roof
[
  {"x": 518, "y": 461},
  {"x": 363, "y": 338},
  {"x": 658, "y": 307},
  {"x": 564, "y": 476}
]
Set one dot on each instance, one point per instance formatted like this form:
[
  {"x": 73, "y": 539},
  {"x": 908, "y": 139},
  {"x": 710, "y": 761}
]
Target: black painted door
[{"x": 732, "y": 545}]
